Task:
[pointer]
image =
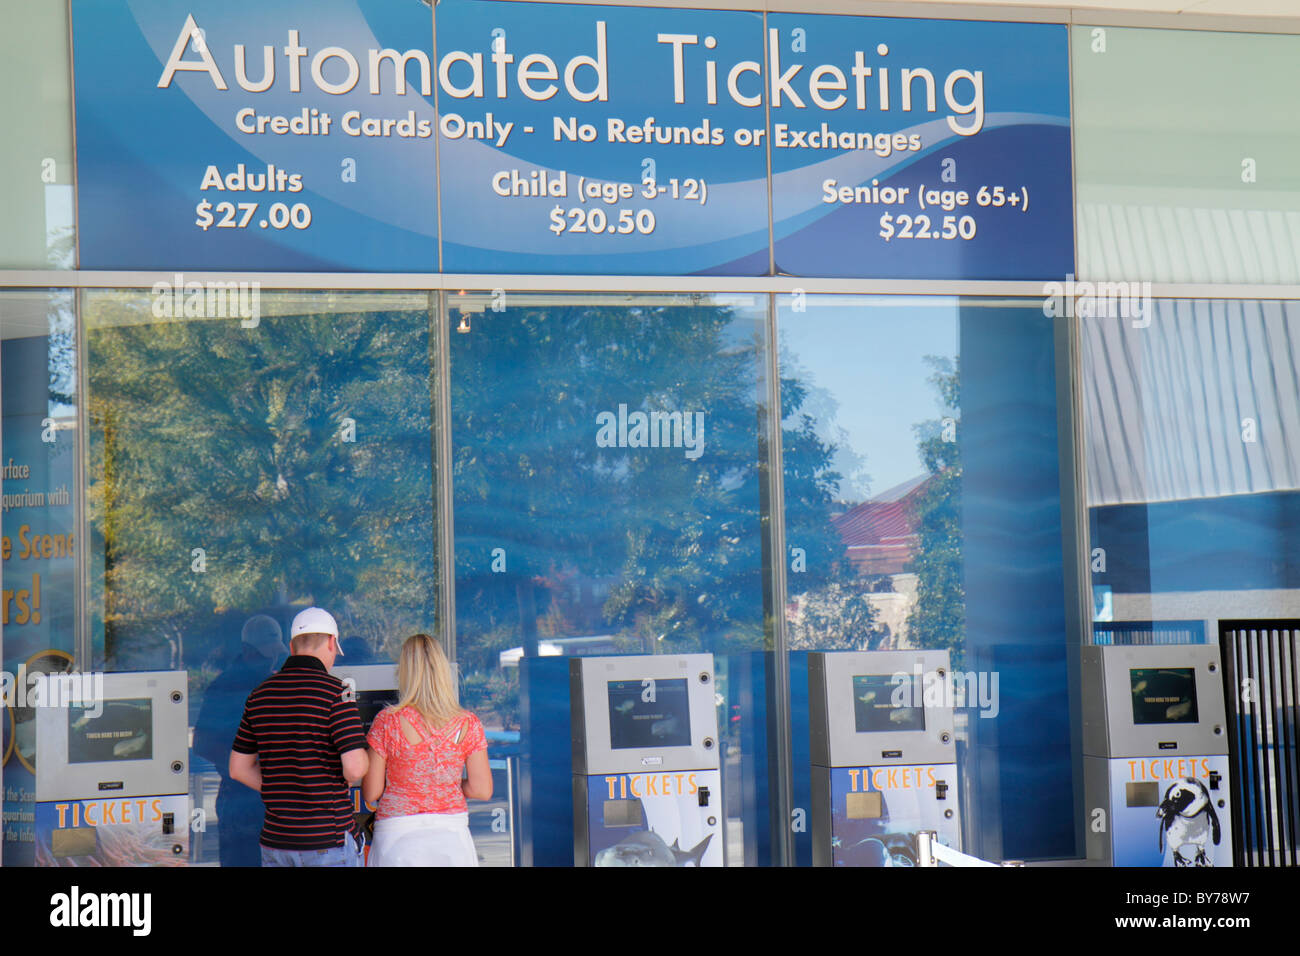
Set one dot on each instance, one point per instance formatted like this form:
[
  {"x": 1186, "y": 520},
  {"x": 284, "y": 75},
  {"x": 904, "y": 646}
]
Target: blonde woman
[{"x": 418, "y": 750}]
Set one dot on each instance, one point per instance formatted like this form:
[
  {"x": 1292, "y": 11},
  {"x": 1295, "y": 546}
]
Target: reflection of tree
[
  {"x": 939, "y": 618},
  {"x": 659, "y": 550},
  {"x": 62, "y": 365},
  {"x": 811, "y": 483},
  {"x": 834, "y": 612},
  {"x": 819, "y": 404},
  {"x": 60, "y": 247},
  {"x": 206, "y": 435},
  {"x": 662, "y": 553},
  {"x": 838, "y": 616}
]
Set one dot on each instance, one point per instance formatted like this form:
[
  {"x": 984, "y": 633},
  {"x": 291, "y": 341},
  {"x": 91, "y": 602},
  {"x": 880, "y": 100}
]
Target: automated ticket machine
[
  {"x": 112, "y": 773},
  {"x": 1156, "y": 756},
  {"x": 374, "y": 687},
  {"x": 647, "y": 784},
  {"x": 884, "y": 761}
]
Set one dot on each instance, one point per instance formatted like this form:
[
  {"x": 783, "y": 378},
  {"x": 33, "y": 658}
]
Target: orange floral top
[{"x": 423, "y": 777}]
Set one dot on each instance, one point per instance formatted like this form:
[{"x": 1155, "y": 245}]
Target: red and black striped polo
[{"x": 298, "y": 724}]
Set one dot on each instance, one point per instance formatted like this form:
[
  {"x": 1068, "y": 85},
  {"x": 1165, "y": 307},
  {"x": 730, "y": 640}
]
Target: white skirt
[{"x": 423, "y": 839}]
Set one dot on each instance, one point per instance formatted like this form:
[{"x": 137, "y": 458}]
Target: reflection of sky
[
  {"x": 58, "y": 225},
  {"x": 869, "y": 357},
  {"x": 742, "y": 332}
]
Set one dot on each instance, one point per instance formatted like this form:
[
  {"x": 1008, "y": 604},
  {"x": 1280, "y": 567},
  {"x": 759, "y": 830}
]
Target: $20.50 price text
[{"x": 597, "y": 220}]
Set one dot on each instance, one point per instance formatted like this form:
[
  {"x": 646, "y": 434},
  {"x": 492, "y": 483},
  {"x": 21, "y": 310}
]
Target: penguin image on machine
[{"x": 1188, "y": 821}]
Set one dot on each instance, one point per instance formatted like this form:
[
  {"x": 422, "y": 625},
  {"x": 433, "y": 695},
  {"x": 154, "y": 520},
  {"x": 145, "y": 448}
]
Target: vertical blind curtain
[{"x": 1171, "y": 408}]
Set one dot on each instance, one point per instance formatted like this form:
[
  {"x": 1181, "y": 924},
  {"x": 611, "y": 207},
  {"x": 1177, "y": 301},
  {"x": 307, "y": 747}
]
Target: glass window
[
  {"x": 1193, "y": 457},
  {"x": 252, "y": 454},
  {"x": 36, "y": 174},
  {"x": 608, "y": 461},
  {"x": 38, "y": 483},
  {"x": 1192, "y": 433},
  {"x": 1185, "y": 146},
  {"x": 924, "y": 510}
]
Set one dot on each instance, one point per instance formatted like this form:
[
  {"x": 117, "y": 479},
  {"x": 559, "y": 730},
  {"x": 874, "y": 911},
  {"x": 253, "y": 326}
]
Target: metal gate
[
  {"x": 1148, "y": 632},
  {"x": 1262, "y": 686}
]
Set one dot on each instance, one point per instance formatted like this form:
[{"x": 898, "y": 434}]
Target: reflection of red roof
[{"x": 880, "y": 534}]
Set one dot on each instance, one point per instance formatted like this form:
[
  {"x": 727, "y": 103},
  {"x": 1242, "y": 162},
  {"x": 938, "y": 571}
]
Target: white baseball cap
[{"x": 314, "y": 620}]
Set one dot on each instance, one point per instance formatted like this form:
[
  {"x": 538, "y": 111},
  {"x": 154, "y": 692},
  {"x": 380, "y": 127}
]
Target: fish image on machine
[
  {"x": 638, "y": 719},
  {"x": 646, "y": 777},
  {"x": 1188, "y": 822},
  {"x": 874, "y": 708},
  {"x": 664, "y": 729},
  {"x": 113, "y": 779},
  {"x": 647, "y": 848},
  {"x": 123, "y": 731},
  {"x": 1176, "y": 712},
  {"x": 131, "y": 746}
]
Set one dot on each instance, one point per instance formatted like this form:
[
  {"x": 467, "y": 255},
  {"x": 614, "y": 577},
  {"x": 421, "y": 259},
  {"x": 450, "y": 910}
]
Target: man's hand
[
  {"x": 245, "y": 769},
  {"x": 355, "y": 764}
]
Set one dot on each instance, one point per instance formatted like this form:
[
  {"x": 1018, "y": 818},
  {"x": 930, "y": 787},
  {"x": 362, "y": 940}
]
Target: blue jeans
[{"x": 349, "y": 854}]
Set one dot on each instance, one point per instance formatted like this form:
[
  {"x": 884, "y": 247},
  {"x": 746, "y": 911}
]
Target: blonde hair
[{"x": 424, "y": 680}]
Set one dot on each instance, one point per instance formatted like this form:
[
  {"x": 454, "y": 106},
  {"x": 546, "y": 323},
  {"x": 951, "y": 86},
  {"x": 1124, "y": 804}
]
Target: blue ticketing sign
[
  {"x": 919, "y": 149},
  {"x": 510, "y": 137},
  {"x": 582, "y": 139},
  {"x": 234, "y": 134}
]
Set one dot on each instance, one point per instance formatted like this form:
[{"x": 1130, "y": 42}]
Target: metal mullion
[
  {"x": 1293, "y": 747},
  {"x": 445, "y": 492},
  {"x": 1289, "y": 674},
  {"x": 779, "y": 693},
  {"x": 1245, "y": 641},
  {"x": 1202, "y": 22},
  {"x": 1232, "y": 713},
  {"x": 1275, "y": 736},
  {"x": 83, "y": 656},
  {"x": 1286, "y": 812},
  {"x": 1213, "y": 22},
  {"x": 1246, "y": 751},
  {"x": 1262, "y": 695},
  {"x": 756, "y": 285}
]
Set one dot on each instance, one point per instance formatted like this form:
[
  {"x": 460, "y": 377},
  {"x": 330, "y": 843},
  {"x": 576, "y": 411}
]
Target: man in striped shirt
[{"x": 300, "y": 744}]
